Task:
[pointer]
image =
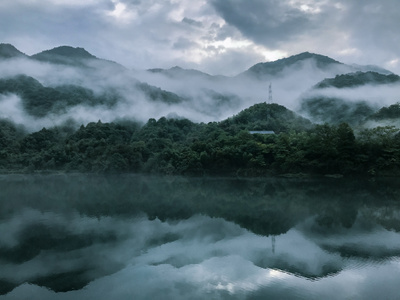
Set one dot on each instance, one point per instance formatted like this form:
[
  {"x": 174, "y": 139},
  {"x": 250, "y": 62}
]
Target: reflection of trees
[{"x": 264, "y": 206}]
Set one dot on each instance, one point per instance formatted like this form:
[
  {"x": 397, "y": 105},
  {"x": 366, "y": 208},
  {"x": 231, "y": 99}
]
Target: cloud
[{"x": 266, "y": 22}]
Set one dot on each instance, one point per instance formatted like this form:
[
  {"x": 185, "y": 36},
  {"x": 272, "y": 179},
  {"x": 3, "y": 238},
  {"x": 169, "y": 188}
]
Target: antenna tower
[{"x": 270, "y": 94}]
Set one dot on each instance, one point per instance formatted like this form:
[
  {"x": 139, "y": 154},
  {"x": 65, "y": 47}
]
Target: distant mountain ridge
[
  {"x": 357, "y": 79},
  {"x": 275, "y": 67},
  {"x": 64, "y": 51},
  {"x": 9, "y": 51},
  {"x": 76, "y": 56}
]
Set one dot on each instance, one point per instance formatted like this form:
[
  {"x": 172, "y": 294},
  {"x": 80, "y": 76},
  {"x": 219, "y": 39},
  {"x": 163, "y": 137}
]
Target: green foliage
[
  {"x": 265, "y": 116},
  {"x": 385, "y": 113},
  {"x": 39, "y": 101},
  {"x": 179, "y": 146},
  {"x": 336, "y": 110},
  {"x": 157, "y": 94}
]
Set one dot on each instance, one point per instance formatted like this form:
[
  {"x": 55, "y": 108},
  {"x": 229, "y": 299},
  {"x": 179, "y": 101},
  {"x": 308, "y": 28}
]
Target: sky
[{"x": 222, "y": 37}]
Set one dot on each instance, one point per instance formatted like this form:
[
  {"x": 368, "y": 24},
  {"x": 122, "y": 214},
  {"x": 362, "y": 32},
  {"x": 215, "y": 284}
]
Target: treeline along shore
[{"x": 286, "y": 143}]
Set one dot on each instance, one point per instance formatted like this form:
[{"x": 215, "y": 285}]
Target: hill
[
  {"x": 275, "y": 67},
  {"x": 387, "y": 113},
  {"x": 63, "y": 55},
  {"x": 264, "y": 116},
  {"x": 9, "y": 51},
  {"x": 357, "y": 79},
  {"x": 38, "y": 100},
  {"x": 178, "y": 72},
  {"x": 77, "y": 57},
  {"x": 333, "y": 110}
]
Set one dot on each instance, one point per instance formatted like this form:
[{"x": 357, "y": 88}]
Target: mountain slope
[
  {"x": 265, "y": 116},
  {"x": 9, "y": 51},
  {"x": 335, "y": 110},
  {"x": 63, "y": 54},
  {"x": 77, "y": 57},
  {"x": 39, "y": 100},
  {"x": 387, "y": 113},
  {"x": 275, "y": 67},
  {"x": 178, "y": 72},
  {"x": 357, "y": 79}
]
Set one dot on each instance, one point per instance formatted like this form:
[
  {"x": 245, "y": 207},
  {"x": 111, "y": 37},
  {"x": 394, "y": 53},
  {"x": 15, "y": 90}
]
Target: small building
[{"x": 262, "y": 132}]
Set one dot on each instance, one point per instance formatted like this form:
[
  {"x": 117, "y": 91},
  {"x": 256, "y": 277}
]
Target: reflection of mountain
[{"x": 95, "y": 214}]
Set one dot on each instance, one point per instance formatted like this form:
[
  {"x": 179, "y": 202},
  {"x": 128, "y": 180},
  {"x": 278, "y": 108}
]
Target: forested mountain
[
  {"x": 180, "y": 73},
  {"x": 9, "y": 51},
  {"x": 267, "y": 117},
  {"x": 387, "y": 113},
  {"x": 358, "y": 79},
  {"x": 39, "y": 101},
  {"x": 79, "y": 57},
  {"x": 106, "y": 118},
  {"x": 274, "y": 68},
  {"x": 334, "y": 110}
]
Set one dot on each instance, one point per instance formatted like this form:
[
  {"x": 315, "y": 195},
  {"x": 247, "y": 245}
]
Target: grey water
[{"x": 76, "y": 236}]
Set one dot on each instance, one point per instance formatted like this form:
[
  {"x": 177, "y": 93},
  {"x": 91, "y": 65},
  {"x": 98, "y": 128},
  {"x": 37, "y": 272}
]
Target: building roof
[{"x": 262, "y": 132}]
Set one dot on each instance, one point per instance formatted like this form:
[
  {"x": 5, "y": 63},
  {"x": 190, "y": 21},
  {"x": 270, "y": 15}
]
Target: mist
[{"x": 202, "y": 97}]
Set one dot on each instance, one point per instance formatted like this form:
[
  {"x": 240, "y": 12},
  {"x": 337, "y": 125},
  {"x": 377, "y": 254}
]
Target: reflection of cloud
[{"x": 190, "y": 259}]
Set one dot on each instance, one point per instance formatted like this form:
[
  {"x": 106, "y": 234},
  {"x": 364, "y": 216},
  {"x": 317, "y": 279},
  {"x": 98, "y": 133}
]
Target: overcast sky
[{"x": 214, "y": 36}]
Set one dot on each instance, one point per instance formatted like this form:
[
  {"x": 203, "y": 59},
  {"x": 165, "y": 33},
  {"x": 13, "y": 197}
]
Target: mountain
[
  {"x": 275, "y": 67},
  {"x": 387, "y": 113},
  {"x": 372, "y": 68},
  {"x": 156, "y": 94},
  {"x": 39, "y": 101},
  {"x": 296, "y": 63},
  {"x": 63, "y": 55},
  {"x": 357, "y": 79},
  {"x": 178, "y": 72},
  {"x": 9, "y": 51},
  {"x": 78, "y": 57},
  {"x": 333, "y": 110}
]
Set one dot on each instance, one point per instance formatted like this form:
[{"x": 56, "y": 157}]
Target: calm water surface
[{"x": 138, "y": 237}]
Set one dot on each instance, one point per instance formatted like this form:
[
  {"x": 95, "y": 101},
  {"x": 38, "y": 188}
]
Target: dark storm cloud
[
  {"x": 192, "y": 22},
  {"x": 354, "y": 31},
  {"x": 154, "y": 33},
  {"x": 267, "y": 22}
]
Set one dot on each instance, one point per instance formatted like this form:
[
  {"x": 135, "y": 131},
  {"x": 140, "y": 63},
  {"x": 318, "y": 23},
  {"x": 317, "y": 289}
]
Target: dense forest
[{"x": 179, "y": 146}]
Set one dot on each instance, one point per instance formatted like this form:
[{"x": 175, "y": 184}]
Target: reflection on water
[{"x": 133, "y": 237}]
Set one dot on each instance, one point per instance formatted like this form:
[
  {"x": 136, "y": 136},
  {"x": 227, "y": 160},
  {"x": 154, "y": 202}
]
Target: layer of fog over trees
[{"x": 73, "y": 84}]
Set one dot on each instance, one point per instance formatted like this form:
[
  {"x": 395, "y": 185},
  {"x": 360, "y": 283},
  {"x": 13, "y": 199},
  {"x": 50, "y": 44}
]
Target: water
[{"x": 138, "y": 237}]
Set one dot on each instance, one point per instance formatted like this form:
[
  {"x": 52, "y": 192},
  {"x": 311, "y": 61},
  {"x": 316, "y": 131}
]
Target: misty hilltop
[
  {"x": 9, "y": 51},
  {"x": 53, "y": 86},
  {"x": 64, "y": 54},
  {"x": 358, "y": 79},
  {"x": 274, "y": 68}
]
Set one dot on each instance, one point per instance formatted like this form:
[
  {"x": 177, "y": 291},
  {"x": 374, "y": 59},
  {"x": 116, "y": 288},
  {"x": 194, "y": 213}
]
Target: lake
[{"x": 74, "y": 236}]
